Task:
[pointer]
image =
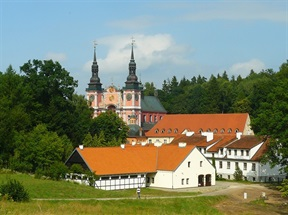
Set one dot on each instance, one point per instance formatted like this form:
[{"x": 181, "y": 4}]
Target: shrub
[
  {"x": 238, "y": 174},
  {"x": 14, "y": 190},
  {"x": 77, "y": 168},
  {"x": 57, "y": 171}
]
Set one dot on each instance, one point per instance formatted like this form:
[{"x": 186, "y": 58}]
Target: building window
[
  {"x": 236, "y": 165},
  {"x": 182, "y": 181},
  {"x": 163, "y": 130},
  {"x": 165, "y": 141},
  {"x": 221, "y": 151},
  {"x": 189, "y": 163},
  {"x": 148, "y": 180},
  {"x": 150, "y": 141},
  {"x": 220, "y": 164},
  {"x": 150, "y": 118},
  {"x": 253, "y": 167},
  {"x": 247, "y": 152},
  {"x": 155, "y": 118},
  {"x": 222, "y": 130},
  {"x": 229, "y": 130},
  {"x": 156, "y": 131},
  {"x": 245, "y": 166},
  {"x": 200, "y": 131},
  {"x": 229, "y": 177},
  {"x": 236, "y": 130},
  {"x": 175, "y": 130},
  {"x": 208, "y": 130},
  {"x": 235, "y": 152},
  {"x": 213, "y": 155},
  {"x": 228, "y": 165},
  {"x": 201, "y": 163},
  {"x": 215, "y": 131},
  {"x": 229, "y": 151},
  {"x": 204, "y": 150},
  {"x": 242, "y": 152},
  {"x": 187, "y": 180},
  {"x": 152, "y": 180},
  {"x": 169, "y": 131},
  {"x": 144, "y": 118}
]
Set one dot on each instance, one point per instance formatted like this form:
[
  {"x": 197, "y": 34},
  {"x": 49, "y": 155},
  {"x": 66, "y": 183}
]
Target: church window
[
  {"x": 150, "y": 118},
  {"x": 144, "y": 118},
  {"x": 155, "y": 118}
]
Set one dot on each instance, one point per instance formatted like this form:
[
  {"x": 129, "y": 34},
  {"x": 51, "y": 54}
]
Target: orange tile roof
[
  {"x": 195, "y": 122},
  {"x": 133, "y": 159},
  {"x": 245, "y": 142}
]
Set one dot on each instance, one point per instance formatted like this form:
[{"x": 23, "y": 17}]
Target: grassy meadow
[{"x": 62, "y": 197}]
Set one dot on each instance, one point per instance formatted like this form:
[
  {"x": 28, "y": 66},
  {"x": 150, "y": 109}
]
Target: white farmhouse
[{"x": 168, "y": 166}]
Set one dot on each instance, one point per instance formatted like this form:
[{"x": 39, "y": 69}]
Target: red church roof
[{"x": 174, "y": 124}]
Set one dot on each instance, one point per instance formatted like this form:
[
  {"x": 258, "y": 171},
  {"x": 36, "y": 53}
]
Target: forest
[{"x": 42, "y": 119}]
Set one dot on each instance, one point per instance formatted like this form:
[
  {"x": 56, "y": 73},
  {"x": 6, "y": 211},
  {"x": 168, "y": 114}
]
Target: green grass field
[{"x": 47, "y": 189}]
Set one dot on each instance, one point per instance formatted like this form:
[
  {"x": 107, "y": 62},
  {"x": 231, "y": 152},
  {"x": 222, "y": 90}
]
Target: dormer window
[
  {"x": 229, "y": 130},
  {"x": 208, "y": 130},
  {"x": 200, "y": 131},
  {"x": 215, "y": 131},
  {"x": 163, "y": 130},
  {"x": 175, "y": 130},
  {"x": 236, "y": 130},
  {"x": 156, "y": 131},
  {"x": 169, "y": 131},
  {"x": 222, "y": 130}
]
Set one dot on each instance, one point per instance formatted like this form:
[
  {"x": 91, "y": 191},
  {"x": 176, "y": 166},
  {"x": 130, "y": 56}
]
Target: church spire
[
  {"x": 95, "y": 83},
  {"x": 132, "y": 79}
]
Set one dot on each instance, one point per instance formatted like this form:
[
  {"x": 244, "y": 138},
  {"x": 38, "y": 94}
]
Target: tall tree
[{"x": 113, "y": 127}]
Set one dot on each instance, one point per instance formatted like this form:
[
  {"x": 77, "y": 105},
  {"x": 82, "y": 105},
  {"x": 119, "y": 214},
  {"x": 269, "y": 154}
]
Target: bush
[
  {"x": 14, "y": 190},
  {"x": 57, "y": 171},
  {"x": 238, "y": 174},
  {"x": 77, "y": 168}
]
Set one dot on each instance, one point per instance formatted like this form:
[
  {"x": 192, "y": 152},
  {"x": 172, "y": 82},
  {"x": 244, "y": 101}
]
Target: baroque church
[{"x": 140, "y": 112}]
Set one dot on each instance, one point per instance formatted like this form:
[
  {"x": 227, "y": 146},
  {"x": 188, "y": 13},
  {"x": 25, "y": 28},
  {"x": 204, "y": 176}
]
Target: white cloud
[
  {"x": 244, "y": 68},
  {"x": 149, "y": 50},
  {"x": 60, "y": 57}
]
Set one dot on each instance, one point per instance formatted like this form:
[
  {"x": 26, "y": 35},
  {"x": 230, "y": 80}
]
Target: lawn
[{"x": 48, "y": 189}]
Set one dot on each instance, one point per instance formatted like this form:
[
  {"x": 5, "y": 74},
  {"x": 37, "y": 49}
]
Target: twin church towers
[{"x": 129, "y": 102}]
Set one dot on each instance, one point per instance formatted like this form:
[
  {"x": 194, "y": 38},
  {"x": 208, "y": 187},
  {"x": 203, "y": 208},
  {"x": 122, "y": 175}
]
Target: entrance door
[
  {"x": 201, "y": 180},
  {"x": 208, "y": 180}
]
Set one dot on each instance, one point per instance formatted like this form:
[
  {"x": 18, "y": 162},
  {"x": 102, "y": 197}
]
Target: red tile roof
[
  {"x": 196, "y": 122},
  {"x": 133, "y": 159}
]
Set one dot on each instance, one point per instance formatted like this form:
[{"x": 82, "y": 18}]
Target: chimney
[
  {"x": 208, "y": 135},
  {"x": 122, "y": 146},
  {"x": 81, "y": 147},
  {"x": 182, "y": 144},
  {"x": 189, "y": 133},
  {"x": 238, "y": 135},
  {"x": 143, "y": 143}
]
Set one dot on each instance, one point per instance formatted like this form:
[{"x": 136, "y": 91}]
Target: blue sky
[{"x": 181, "y": 38}]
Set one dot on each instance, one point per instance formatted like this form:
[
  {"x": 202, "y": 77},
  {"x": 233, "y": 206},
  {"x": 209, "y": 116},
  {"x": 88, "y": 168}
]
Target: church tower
[
  {"x": 132, "y": 94},
  {"x": 94, "y": 91}
]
